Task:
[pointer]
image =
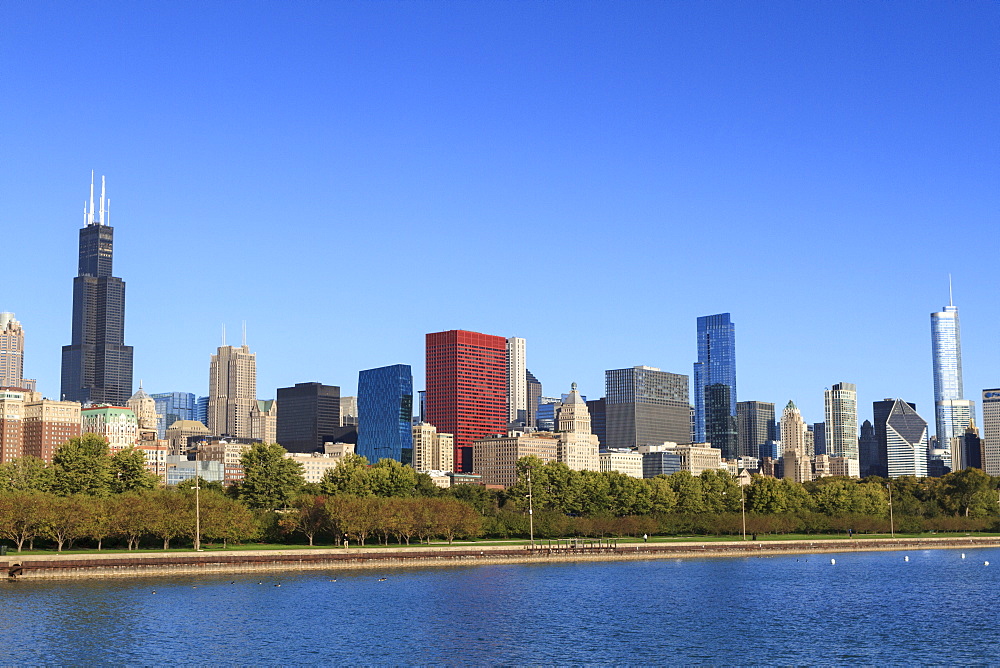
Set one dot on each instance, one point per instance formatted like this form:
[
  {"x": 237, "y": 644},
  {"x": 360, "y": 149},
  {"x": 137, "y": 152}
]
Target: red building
[{"x": 466, "y": 388}]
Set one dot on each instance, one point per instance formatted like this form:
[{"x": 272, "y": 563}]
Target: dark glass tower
[
  {"x": 308, "y": 416},
  {"x": 385, "y": 413},
  {"x": 715, "y": 384},
  {"x": 97, "y": 365}
]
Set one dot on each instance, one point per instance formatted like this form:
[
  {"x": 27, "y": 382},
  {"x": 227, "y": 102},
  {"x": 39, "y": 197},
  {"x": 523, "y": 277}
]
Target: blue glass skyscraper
[
  {"x": 715, "y": 384},
  {"x": 171, "y": 407},
  {"x": 385, "y": 409},
  {"x": 952, "y": 412}
]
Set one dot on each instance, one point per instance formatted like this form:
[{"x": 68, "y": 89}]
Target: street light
[
  {"x": 892, "y": 525},
  {"x": 197, "y": 500},
  {"x": 531, "y": 517},
  {"x": 743, "y": 505}
]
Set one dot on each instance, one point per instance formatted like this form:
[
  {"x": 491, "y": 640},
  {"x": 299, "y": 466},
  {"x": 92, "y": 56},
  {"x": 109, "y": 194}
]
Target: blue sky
[{"x": 590, "y": 176}]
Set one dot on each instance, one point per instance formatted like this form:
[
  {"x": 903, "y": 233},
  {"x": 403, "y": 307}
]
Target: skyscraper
[
  {"x": 171, "y": 407},
  {"x": 12, "y": 354},
  {"x": 232, "y": 391},
  {"x": 755, "y": 426},
  {"x": 906, "y": 441},
  {"x": 645, "y": 406},
  {"x": 794, "y": 447},
  {"x": 715, "y": 383},
  {"x": 308, "y": 416},
  {"x": 466, "y": 388},
  {"x": 385, "y": 413},
  {"x": 841, "y": 427},
  {"x": 97, "y": 365},
  {"x": 578, "y": 446},
  {"x": 991, "y": 431},
  {"x": 534, "y": 394},
  {"x": 871, "y": 462},
  {"x": 517, "y": 381},
  {"x": 951, "y": 411}
]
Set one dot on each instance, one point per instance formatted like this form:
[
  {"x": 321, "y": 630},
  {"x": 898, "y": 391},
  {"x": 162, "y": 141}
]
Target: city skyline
[{"x": 586, "y": 170}]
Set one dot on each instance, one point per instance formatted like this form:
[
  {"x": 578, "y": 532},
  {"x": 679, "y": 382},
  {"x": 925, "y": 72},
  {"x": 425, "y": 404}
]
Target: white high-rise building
[
  {"x": 232, "y": 391},
  {"x": 906, "y": 441},
  {"x": 517, "y": 381},
  {"x": 432, "y": 451},
  {"x": 841, "y": 409},
  {"x": 951, "y": 411},
  {"x": 578, "y": 446},
  {"x": 991, "y": 431}
]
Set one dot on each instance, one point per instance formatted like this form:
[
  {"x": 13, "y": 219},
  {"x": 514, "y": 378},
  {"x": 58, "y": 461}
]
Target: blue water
[{"x": 871, "y": 608}]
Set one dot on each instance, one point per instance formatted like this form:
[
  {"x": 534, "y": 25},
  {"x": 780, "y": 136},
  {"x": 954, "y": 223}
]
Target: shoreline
[{"x": 62, "y": 566}]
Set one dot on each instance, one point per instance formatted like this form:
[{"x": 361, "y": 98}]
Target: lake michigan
[{"x": 869, "y": 608}]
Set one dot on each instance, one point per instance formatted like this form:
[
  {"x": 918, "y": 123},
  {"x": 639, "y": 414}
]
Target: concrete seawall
[{"x": 34, "y": 567}]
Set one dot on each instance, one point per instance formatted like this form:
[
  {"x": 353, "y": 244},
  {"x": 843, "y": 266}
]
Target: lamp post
[
  {"x": 892, "y": 525},
  {"x": 197, "y": 500},
  {"x": 531, "y": 517},
  {"x": 743, "y": 504}
]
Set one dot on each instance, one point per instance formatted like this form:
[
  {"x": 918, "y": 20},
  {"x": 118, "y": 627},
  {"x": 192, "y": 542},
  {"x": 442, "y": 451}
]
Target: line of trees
[{"x": 88, "y": 495}]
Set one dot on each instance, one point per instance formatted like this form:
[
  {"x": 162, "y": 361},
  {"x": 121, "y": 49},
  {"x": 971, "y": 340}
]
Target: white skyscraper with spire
[{"x": 952, "y": 412}]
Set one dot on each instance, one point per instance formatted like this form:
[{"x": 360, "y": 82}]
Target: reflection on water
[{"x": 868, "y": 608}]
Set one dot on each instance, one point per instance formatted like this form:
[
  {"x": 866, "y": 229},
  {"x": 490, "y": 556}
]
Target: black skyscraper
[
  {"x": 308, "y": 416},
  {"x": 97, "y": 365}
]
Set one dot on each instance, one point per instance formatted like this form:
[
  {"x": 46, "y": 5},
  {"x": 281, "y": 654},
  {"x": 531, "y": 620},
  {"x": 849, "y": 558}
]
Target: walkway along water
[{"x": 118, "y": 565}]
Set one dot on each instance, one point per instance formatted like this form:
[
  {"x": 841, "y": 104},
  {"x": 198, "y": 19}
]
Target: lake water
[{"x": 872, "y": 608}]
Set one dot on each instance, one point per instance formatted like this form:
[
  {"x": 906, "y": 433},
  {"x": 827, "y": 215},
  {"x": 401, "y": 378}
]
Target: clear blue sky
[{"x": 589, "y": 176}]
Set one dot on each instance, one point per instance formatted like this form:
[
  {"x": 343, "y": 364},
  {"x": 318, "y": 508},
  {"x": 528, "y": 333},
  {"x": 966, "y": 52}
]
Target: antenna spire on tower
[
  {"x": 91, "y": 220},
  {"x": 102, "y": 199},
  {"x": 951, "y": 301},
  {"x": 223, "y": 335},
  {"x": 244, "y": 333}
]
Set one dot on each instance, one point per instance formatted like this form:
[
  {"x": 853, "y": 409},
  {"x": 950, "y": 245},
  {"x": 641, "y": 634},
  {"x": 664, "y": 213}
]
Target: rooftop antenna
[
  {"x": 102, "y": 200},
  {"x": 109, "y": 211},
  {"x": 85, "y": 213},
  {"x": 951, "y": 302},
  {"x": 223, "y": 335},
  {"x": 91, "y": 197},
  {"x": 244, "y": 333}
]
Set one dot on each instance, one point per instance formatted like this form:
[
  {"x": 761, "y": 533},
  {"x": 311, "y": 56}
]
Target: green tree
[
  {"x": 391, "y": 478},
  {"x": 349, "y": 477},
  {"x": 66, "y": 519},
  {"x": 308, "y": 516},
  {"x": 226, "y": 519},
  {"x": 688, "y": 491},
  {"x": 23, "y": 515},
  {"x": 270, "y": 480},
  {"x": 171, "y": 514},
  {"x": 81, "y": 465},
  {"x": 129, "y": 472},
  {"x": 661, "y": 495},
  {"x": 24, "y": 474},
  {"x": 968, "y": 493},
  {"x": 131, "y": 517},
  {"x": 766, "y": 496}
]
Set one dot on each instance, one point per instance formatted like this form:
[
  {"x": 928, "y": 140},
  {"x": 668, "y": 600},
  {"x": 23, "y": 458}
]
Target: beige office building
[
  {"x": 795, "y": 447},
  {"x": 495, "y": 459},
  {"x": 180, "y": 431},
  {"x": 841, "y": 412},
  {"x": 232, "y": 392},
  {"x": 264, "y": 421},
  {"x": 432, "y": 451},
  {"x": 316, "y": 464},
  {"x": 578, "y": 447},
  {"x": 144, "y": 407},
  {"x": 628, "y": 463},
  {"x": 693, "y": 457},
  {"x": 991, "y": 431}
]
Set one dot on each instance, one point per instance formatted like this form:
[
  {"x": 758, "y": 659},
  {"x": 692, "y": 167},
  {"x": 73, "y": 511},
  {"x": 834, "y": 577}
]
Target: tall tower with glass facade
[
  {"x": 97, "y": 365},
  {"x": 715, "y": 384},
  {"x": 755, "y": 427},
  {"x": 952, "y": 412},
  {"x": 385, "y": 413},
  {"x": 906, "y": 441},
  {"x": 841, "y": 427}
]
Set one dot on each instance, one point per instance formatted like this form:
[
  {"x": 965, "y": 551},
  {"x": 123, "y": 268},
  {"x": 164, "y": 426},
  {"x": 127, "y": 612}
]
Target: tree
[
  {"x": 308, "y": 516},
  {"x": 22, "y": 515},
  {"x": 81, "y": 465},
  {"x": 171, "y": 514},
  {"x": 962, "y": 491},
  {"x": 226, "y": 519},
  {"x": 350, "y": 476},
  {"x": 391, "y": 478},
  {"x": 352, "y": 516},
  {"x": 661, "y": 495},
  {"x": 688, "y": 491},
  {"x": 66, "y": 519},
  {"x": 25, "y": 473},
  {"x": 129, "y": 472},
  {"x": 131, "y": 517},
  {"x": 270, "y": 480},
  {"x": 100, "y": 523}
]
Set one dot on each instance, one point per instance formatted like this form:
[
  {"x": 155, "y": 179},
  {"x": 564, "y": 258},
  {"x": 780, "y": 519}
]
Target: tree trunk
[
  {"x": 99, "y": 541},
  {"x": 166, "y": 543},
  {"x": 310, "y": 539}
]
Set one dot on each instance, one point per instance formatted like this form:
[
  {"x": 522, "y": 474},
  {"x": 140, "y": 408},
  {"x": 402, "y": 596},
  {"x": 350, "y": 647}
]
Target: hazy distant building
[
  {"x": 308, "y": 416},
  {"x": 796, "y": 461},
  {"x": 385, "y": 412},
  {"x": 546, "y": 413},
  {"x": 598, "y": 419},
  {"x": 348, "y": 411},
  {"x": 466, "y": 388},
  {"x": 841, "y": 426},
  {"x": 534, "y": 388},
  {"x": 991, "y": 431},
  {"x": 97, "y": 365},
  {"x": 644, "y": 405},
  {"x": 715, "y": 384},
  {"x": 232, "y": 391},
  {"x": 968, "y": 450},
  {"x": 755, "y": 426},
  {"x": 870, "y": 460},
  {"x": 12, "y": 354}
]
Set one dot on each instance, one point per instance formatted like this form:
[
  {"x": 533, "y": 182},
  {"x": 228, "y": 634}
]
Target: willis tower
[{"x": 97, "y": 365}]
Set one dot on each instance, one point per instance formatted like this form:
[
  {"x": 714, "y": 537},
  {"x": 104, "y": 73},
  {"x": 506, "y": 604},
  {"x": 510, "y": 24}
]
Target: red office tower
[{"x": 466, "y": 388}]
